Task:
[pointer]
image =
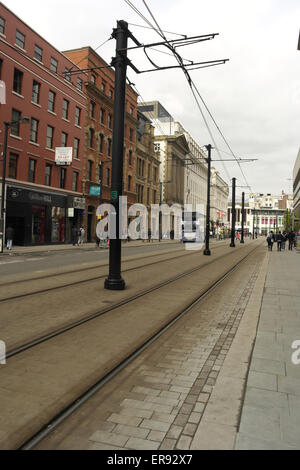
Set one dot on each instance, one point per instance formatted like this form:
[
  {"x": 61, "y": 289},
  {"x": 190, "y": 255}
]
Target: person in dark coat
[
  {"x": 291, "y": 239},
  {"x": 9, "y": 237},
  {"x": 279, "y": 239}
]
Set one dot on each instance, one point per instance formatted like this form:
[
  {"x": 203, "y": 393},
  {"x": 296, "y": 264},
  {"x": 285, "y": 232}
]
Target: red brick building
[
  {"x": 43, "y": 200},
  {"x": 98, "y": 135}
]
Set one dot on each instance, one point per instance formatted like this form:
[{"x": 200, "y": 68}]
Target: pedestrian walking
[
  {"x": 284, "y": 239},
  {"x": 270, "y": 241},
  {"x": 9, "y": 237},
  {"x": 81, "y": 236},
  {"x": 279, "y": 238},
  {"x": 291, "y": 239}
]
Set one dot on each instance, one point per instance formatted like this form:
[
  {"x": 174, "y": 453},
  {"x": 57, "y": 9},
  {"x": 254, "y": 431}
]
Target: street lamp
[{"x": 7, "y": 125}]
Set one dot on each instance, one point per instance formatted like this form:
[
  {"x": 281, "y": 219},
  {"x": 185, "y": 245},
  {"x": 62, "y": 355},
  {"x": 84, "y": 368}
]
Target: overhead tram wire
[
  {"x": 150, "y": 27},
  {"x": 191, "y": 83},
  {"x": 188, "y": 77}
]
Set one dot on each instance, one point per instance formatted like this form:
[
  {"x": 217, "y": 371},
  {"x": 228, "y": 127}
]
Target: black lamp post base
[
  {"x": 114, "y": 284},
  {"x": 242, "y": 241},
  {"x": 232, "y": 245},
  {"x": 207, "y": 252}
]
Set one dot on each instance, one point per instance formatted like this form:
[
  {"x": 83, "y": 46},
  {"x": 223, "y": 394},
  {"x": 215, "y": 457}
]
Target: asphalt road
[{"x": 32, "y": 262}]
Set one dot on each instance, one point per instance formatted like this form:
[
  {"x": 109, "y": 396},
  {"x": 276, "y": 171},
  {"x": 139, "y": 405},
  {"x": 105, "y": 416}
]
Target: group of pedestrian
[
  {"x": 77, "y": 235},
  {"x": 281, "y": 239}
]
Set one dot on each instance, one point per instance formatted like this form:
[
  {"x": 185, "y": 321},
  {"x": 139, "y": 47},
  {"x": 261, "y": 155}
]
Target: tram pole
[
  {"x": 207, "y": 251},
  {"x": 243, "y": 217},
  {"x": 114, "y": 280},
  {"x": 232, "y": 244}
]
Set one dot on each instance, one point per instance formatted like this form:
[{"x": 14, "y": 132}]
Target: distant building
[
  {"x": 43, "y": 200},
  {"x": 296, "y": 185},
  {"x": 147, "y": 165},
  {"x": 268, "y": 211},
  {"x": 218, "y": 202}
]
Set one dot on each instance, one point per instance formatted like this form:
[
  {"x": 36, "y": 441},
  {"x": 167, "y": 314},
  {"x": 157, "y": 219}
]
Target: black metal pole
[
  {"x": 114, "y": 280},
  {"x": 2, "y": 215},
  {"x": 160, "y": 214},
  {"x": 207, "y": 251},
  {"x": 232, "y": 244},
  {"x": 243, "y": 217}
]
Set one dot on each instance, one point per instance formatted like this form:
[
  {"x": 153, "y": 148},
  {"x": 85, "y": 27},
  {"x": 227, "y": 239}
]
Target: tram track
[
  {"x": 114, "y": 362},
  {"x": 56, "y": 276},
  {"x": 125, "y": 301}
]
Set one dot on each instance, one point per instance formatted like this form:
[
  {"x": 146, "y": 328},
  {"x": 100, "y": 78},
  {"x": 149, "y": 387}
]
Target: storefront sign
[
  {"x": 63, "y": 155},
  {"x": 19, "y": 194},
  {"x": 94, "y": 191},
  {"x": 79, "y": 203}
]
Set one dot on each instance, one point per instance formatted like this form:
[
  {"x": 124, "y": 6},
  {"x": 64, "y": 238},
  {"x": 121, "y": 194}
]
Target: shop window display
[
  {"x": 58, "y": 224},
  {"x": 38, "y": 224}
]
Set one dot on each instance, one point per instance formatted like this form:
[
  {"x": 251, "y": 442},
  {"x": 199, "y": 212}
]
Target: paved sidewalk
[{"x": 270, "y": 417}]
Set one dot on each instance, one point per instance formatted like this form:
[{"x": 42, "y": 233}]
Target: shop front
[{"x": 37, "y": 217}]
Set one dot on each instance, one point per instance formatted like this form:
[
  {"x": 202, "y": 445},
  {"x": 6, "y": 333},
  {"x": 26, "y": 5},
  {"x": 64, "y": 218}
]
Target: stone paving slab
[{"x": 270, "y": 417}]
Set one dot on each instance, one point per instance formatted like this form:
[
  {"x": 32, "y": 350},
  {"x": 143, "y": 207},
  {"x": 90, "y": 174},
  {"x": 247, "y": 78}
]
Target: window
[
  {"x": 103, "y": 87},
  {"x": 48, "y": 170},
  {"x": 64, "y": 139},
  {"x": 38, "y": 53},
  {"x": 129, "y": 183},
  {"x": 155, "y": 175},
  {"x": 131, "y": 134},
  {"x": 31, "y": 170},
  {"x": 93, "y": 79},
  {"x": 154, "y": 197},
  {"x": 130, "y": 157},
  {"x": 62, "y": 178},
  {"x": 50, "y": 133},
  {"x": 79, "y": 83},
  {"x": 102, "y": 114},
  {"x": 51, "y": 101},
  {"x": 100, "y": 173},
  {"x": 1, "y": 62},
  {"x": 15, "y": 128},
  {"x": 149, "y": 171},
  {"x": 111, "y": 93},
  {"x": 90, "y": 170},
  {"x": 109, "y": 121},
  {"x": 91, "y": 138},
  {"x": 77, "y": 116},
  {"x": 53, "y": 65},
  {"x": 34, "y": 124},
  {"x": 20, "y": 39},
  {"x": 109, "y": 142},
  {"x": 13, "y": 163},
  {"x": 36, "y": 87},
  {"x": 75, "y": 181},
  {"x": 131, "y": 110},
  {"x": 2, "y": 25},
  {"x": 65, "y": 110},
  {"x": 67, "y": 74},
  {"x": 18, "y": 78},
  {"x": 76, "y": 147},
  {"x": 107, "y": 176},
  {"x": 92, "y": 109},
  {"x": 101, "y": 140}
]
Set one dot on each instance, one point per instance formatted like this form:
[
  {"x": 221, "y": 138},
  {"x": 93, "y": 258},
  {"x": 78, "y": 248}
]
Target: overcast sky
[{"x": 254, "y": 98}]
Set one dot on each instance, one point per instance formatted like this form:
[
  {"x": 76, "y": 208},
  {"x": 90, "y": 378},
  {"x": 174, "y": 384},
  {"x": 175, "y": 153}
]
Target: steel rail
[{"x": 83, "y": 398}]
